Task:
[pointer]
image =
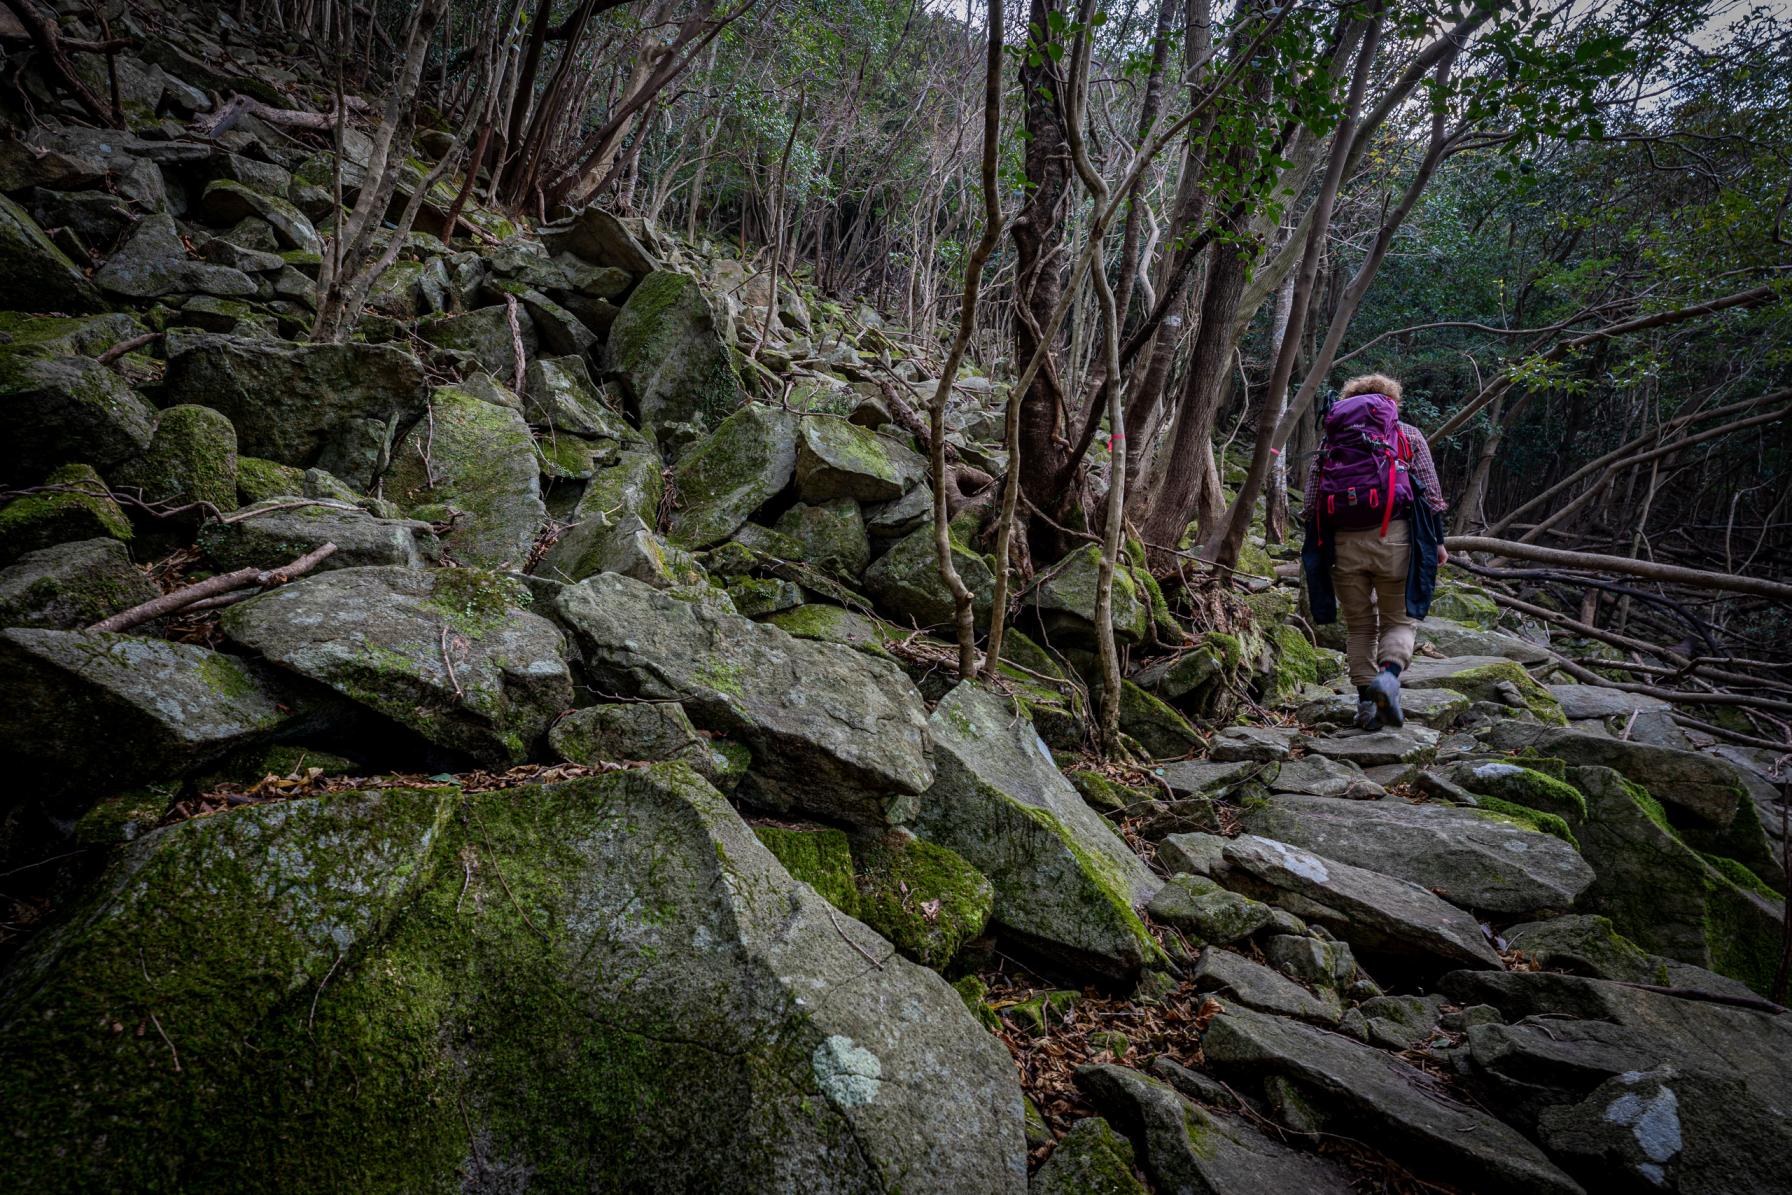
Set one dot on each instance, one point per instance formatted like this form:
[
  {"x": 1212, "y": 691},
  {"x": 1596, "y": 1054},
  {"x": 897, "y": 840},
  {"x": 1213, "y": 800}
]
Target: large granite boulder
[
  {"x": 62, "y": 410},
  {"x": 450, "y": 653},
  {"x": 474, "y": 463},
  {"x": 83, "y": 713},
  {"x": 1066, "y": 885},
  {"x": 226, "y": 201},
  {"x": 484, "y": 335},
  {"x": 34, "y": 274},
  {"x": 1064, "y": 596},
  {"x": 604, "y": 239},
  {"x": 586, "y": 984},
  {"x": 289, "y": 402},
  {"x": 74, "y": 504},
  {"x": 833, "y": 731},
  {"x": 192, "y": 458},
  {"x": 744, "y": 464},
  {"x": 1473, "y": 858},
  {"x": 668, "y": 350},
  {"x": 1369, "y": 910}
]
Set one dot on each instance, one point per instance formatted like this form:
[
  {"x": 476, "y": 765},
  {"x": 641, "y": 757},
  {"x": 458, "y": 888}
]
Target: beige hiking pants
[{"x": 1369, "y": 578}]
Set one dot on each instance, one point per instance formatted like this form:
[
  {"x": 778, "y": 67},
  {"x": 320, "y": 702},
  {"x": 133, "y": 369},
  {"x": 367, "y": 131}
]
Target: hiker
[{"x": 1374, "y": 538}]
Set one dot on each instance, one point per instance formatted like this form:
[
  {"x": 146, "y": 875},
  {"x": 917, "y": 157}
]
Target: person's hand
[{"x": 1443, "y": 555}]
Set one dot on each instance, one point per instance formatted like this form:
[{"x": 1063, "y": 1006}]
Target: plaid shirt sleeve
[{"x": 1424, "y": 469}]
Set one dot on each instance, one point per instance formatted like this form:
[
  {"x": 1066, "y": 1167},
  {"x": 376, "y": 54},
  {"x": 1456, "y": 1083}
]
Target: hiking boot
[
  {"x": 1367, "y": 717},
  {"x": 1384, "y": 694}
]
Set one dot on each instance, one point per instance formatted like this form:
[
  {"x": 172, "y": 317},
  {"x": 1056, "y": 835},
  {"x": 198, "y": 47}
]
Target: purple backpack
[{"x": 1363, "y": 480}]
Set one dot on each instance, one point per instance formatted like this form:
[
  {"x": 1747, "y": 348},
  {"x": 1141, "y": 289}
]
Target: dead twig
[
  {"x": 186, "y": 596},
  {"x": 157, "y": 1022},
  {"x": 129, "y": 345},
  {"x": 448, "y": 663}
]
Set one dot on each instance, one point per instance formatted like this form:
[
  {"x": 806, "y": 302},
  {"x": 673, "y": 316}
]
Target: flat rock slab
[
  {"x": 1368, "y": 749},
  {"x": 1186, "y": 1148},
  {"x": 1374, "y": 1096},
  {"x": 1317, "y": 776},
  {"x": 1254, "y": 744},
  {"x": 1698, "y": 785},
  {"x": 1456, "y": 639},
  {"x": 833, "y": 731},
  {"x": 1436, "y": 708},
  {"x": 1235, "y": 978},
  {"x": 474, "y": 461},
  {"x": 278, "y": 531},
  {"x": 1473, "y": 859},
  {"x": 1367, "y": 909},
  {"x": 1597, "y": 701},
  {"x": 1194, "y": 778},
  {"x": 449, "y": 653},
  {"x": 1065, "y": 882}
]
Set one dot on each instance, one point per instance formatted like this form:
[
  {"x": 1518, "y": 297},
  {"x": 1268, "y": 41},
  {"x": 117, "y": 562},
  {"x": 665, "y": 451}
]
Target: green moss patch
[
  {"x": 819, "y": 857},
  {"x": 924, "y": 898}
]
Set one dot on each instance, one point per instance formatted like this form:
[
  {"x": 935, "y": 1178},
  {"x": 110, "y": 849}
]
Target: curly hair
[{"x": 1371, "y": 383}]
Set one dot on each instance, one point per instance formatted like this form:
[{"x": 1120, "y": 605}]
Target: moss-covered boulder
[
  {"x": 832, "y": 624},
  {"x": 72, "y": 585},
  {"x": 58, "y": 410},
  {"x": 667, "y": 347},
  {"x": 75, "y": 505},
  {"x": 424, "y": 990},
  {"x": 1700, "y": 789},
  {"x": 289, "y": 402},
  {"x": 1665, "y": 896},
  {"x": 34, "y": 274},
  {"x": 191, "y": 459},
  {"x": 484, "y": 336},
  {"x": 451, "y": 653},
  {"x": 819, "y": 857},
  {"x": 921, "y": 896},
  {"x": 473, "y": 463},
  {"x": 1207, "y": 912},
  {"x": 226, "y": 201},
  {"x": 655, "y": 731},
  {"x": 83, "y": 713},
  {"x": 1465, "y": 603},
  {"x": 744, "y": 464},
  {"x": 1160, "y": 730},
  {"x": 832, "y": 535},
  {"x": 838, "y": 459},
  {"x": 1487, "y": 678},
  {"x": 1294, "y": 664},
  {"x": 1066, "y": 885},
  {"x": 1091, "y": 1159},
  {"x": 834, "y": 732},
  {"x": 906, "y": 580},
  {"x": 258, "y": 479},
  {"x": 1064, "y": 597},
  {"x": 606, "y": 240}
]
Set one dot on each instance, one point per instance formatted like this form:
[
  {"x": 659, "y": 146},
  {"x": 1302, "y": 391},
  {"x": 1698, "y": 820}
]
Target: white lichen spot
[
  {"x": 1490, "y": 771},
  {"x": 1655, "y": 1123},
  {"x": 847, "y": 1073},
  {"x": 1045, "y": 752}
]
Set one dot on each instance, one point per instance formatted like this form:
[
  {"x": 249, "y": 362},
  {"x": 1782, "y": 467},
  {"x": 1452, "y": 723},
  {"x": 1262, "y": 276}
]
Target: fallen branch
[
  {"x": 1595, "y": 562},
  {"x": 46, "y": 36},
  {"x": 1750, "y": 1002},
  {"x": 239, "y": 106},
  {"x": 1729, "y": 736},
  {"x": 127, "y": 346},
  {"x": 189, "y": 595}
]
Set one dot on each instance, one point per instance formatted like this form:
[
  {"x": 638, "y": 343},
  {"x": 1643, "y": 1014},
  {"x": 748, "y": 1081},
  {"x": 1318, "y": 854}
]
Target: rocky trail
[{"x": 575, "y": 790}]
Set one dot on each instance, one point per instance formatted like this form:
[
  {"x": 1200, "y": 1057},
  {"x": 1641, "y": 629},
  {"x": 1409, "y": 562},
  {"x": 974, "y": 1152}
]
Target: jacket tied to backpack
[{"x": 1364, "y": 482}]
